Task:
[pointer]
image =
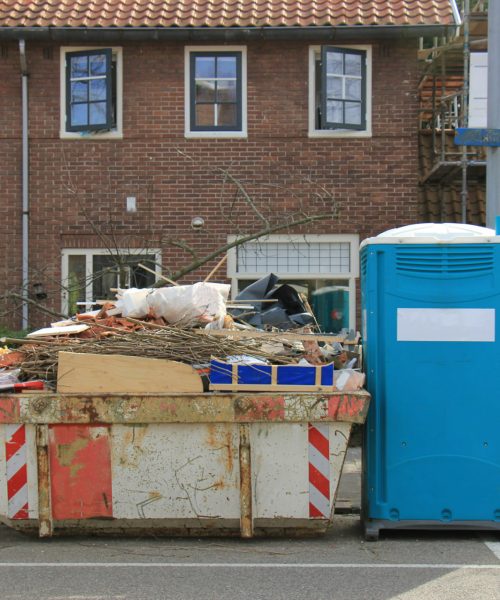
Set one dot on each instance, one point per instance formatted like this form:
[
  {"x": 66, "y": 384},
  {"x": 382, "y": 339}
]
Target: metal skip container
[
  {"x": 186, "y": 464},
  {"x": 430, "y": 312}
]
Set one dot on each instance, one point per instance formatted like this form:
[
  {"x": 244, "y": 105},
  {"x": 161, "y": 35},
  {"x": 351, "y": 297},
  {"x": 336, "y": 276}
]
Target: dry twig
[{"x": 173, "y": 343}]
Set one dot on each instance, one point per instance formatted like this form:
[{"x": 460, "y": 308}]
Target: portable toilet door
[{"x": 430, "y": 296}]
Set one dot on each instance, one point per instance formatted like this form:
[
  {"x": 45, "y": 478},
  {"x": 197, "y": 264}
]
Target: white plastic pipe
[{"x": 25, "y": 184}]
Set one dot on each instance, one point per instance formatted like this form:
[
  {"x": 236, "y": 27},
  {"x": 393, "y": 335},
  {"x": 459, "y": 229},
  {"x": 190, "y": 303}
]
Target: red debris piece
[{"x": 11, "y": 359}]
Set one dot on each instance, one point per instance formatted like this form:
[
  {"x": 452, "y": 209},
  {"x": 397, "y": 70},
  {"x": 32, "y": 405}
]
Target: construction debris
[
  {"x": 172, "y": 343},
  {"x": 274, "y": 305},
  {"x": 178, "y": 327},
  {"x": 182, "y": 305}
]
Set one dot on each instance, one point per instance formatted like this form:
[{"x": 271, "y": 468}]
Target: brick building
[{"x": 159, "y": 130}]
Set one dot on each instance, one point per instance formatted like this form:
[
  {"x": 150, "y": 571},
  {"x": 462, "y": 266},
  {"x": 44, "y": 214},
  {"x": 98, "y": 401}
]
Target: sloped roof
[{"x": 223, "y": 13}]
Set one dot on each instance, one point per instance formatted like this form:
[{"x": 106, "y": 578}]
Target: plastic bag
[
  {"x": 245, "y": 359},
  {"x": 9, "y": 377},
  {"x": 188, "y": 304},
  {"x": 222, "y": 288},
  {"x": 134, "y": 302},
  {"x": 348, "y": 380}
]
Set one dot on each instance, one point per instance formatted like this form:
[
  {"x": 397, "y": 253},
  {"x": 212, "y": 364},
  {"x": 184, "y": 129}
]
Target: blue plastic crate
[{"x": 226, "y": 376}]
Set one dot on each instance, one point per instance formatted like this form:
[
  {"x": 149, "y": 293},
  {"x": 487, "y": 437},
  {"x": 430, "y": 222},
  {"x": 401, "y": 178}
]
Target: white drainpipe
[{"x": 25, "y": 183}]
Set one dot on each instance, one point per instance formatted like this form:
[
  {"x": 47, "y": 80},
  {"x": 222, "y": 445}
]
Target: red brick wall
[
  {"x": 10, "y": 171},
  {"x": 78, "y": 188}
]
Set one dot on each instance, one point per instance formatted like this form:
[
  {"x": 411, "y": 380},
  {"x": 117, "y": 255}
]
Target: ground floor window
[
  {"x": 90, "y": 275},
  {"x": 322, "y": 267}
]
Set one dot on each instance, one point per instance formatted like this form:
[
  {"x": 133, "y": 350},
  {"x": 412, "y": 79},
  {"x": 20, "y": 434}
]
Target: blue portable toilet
[
  {"x": 330, "y": 306},
  {"x": 431, "y": 334}
]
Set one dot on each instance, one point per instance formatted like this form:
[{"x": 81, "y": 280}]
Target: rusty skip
[
  {"x": 108, "y": 459},
  {"x": 297, "y": 407}
]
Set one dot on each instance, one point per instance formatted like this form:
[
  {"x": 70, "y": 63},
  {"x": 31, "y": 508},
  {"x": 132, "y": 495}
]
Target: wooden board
[
  {"x": 270, "y": 387},
  {"x": 99, "y": 373},
  {"x": 299, "y": 337}
]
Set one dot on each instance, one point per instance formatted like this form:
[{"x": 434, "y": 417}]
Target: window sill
[
  {"x": 216, "y": 134},
  {"x": 94, "y": 137},
  {"x": 327, "y": 133}
]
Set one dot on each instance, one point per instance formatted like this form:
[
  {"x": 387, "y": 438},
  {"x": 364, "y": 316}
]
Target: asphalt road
[{"x": 401, "y": 566}]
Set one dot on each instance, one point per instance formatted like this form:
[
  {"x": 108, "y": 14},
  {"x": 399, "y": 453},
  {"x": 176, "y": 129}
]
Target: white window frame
[
  {"x": 351, "y": 276},
  {"x": 187, "y": 93},
  {"x": 89, "y": 253},
  {"x": 339, "y": 133},
  {"x": 92, "y": 135}
]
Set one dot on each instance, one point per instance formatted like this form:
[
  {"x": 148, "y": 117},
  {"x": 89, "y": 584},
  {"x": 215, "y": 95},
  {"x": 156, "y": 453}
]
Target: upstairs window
[
  {"x": 215, "y": 91},
  {"x": 91, "y": 100},
  {"x": 343, "y": 89},
  {"x": 89, "y": 96},
  {"x": 340, "y": 88}
]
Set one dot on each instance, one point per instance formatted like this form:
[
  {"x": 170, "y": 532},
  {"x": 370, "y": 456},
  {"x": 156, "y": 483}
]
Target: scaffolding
[{"x": 452, "y": 177}]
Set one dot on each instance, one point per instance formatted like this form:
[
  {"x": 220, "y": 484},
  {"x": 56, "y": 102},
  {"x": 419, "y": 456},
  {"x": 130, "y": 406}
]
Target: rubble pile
[{"x": 199, "y": 326}]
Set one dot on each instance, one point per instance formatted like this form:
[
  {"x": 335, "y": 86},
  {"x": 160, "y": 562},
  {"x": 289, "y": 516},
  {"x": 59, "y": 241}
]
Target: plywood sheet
[{"x": 97, "y": 373}]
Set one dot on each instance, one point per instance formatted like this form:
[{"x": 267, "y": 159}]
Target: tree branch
[
  {"x": 44, "y": 309},
  {"x": 244, "y": 193}
]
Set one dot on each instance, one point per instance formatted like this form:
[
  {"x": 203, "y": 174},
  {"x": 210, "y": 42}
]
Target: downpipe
[{"x": 24, "y": 184}]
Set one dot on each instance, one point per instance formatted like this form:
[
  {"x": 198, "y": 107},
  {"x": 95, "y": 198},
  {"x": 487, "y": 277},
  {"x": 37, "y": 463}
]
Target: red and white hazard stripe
[
  {"x": 17, "y": 472},
  {"x": 319, "y": 471}
]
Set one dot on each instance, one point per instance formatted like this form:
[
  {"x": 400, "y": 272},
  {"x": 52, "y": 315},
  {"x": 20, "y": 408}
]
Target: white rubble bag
[
  {"x": 134, "y": 303},
  {"x": 189, "y": 304}
]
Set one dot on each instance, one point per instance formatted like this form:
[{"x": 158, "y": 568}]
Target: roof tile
[{"x": 223, "y": 13}]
